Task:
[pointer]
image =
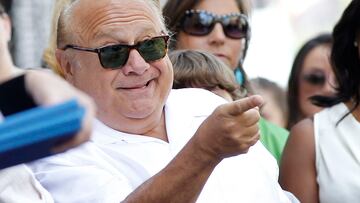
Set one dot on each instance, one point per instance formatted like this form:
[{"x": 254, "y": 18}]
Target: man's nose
[
  {"x": 217, "y": 35},
  {"x": 135, "y": 64}
]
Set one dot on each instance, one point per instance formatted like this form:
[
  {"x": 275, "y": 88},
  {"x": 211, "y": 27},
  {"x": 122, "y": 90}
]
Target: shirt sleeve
[{"x": 19, "y": 185}]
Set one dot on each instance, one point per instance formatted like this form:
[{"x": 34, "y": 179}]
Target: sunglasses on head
[
  {"x": 116, "y": 56},
  {"x": 201, "y": 23}
]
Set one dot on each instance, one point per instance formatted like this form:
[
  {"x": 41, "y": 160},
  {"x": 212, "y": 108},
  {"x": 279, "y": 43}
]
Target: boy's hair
[{"x": 199, "y": 69}]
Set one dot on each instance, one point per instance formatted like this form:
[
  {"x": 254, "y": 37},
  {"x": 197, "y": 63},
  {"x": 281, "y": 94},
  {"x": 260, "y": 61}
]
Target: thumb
[{"x": 242, "y": 105}]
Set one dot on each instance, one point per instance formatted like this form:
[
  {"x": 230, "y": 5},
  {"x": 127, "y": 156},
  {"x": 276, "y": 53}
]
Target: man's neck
[
  {"x": 151, "y": 127},
  {"x": 160, "y": 130}
]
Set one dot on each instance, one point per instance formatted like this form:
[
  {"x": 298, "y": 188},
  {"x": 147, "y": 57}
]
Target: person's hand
[
  {"x": 48, "y": 89},
  {"x": 231, "y": 129}
]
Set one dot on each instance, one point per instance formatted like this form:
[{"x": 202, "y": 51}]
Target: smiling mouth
[{"x": 136, "y": 87}]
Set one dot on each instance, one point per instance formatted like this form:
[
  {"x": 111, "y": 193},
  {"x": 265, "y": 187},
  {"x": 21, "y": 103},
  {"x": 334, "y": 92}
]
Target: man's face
[{"x": 129, "y": 99}]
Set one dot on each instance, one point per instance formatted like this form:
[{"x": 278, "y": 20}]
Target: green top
[{"x": 273, "y": 138}]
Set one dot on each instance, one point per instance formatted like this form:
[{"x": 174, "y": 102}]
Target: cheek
[
  {"x": 185, "y": 41},
  {"x": 304, "y": 94},
  {"x": 235, "y": 48},
  {"x": 305, "y": 89},
  {"x": 93, "y": 80},
  {"x": 305, "y": 104},
  {"x": 87, "y": 69},
  {"x": 166, "y": 74}
]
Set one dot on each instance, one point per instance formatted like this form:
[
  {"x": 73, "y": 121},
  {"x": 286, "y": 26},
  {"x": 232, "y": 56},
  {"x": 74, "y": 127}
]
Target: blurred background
[{"x": 279, "y": 28}]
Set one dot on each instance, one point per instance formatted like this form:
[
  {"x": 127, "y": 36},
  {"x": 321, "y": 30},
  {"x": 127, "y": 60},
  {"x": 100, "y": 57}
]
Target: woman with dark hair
[
  {"x": 311, "y": 74},
  {"x": 222, "y": 29},
  {"x": 321, "y": 158}
]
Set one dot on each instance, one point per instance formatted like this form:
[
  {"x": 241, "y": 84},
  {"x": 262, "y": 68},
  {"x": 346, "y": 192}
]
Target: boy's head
[{"x": 198, "y": 69}]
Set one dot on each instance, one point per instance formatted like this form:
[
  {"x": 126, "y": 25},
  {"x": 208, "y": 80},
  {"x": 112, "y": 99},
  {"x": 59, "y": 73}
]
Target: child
[{"x": 195, "y": 69}]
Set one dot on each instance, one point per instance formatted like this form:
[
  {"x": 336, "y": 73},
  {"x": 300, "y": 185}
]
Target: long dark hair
[
  {"x": 173, "y": 12},
  {"x": 345, "y": 59},
  {"x": 295, "y": 113}
]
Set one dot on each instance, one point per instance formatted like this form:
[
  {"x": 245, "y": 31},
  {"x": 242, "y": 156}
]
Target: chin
[{"x": 141, "y": 110}]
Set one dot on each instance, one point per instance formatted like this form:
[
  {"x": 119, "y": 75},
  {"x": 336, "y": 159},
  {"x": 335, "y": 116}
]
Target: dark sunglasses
[
  {"x": 315, "y": 79},
  {"x": 116, "y": 56},
  {"x": 201, "y": 23}
]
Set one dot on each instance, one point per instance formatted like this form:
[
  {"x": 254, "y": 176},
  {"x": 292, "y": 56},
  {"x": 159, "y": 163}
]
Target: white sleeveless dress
[{"x": 337, "y": 155}]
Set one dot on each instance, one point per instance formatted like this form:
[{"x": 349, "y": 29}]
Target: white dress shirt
[
  {"x": 114, "y": 163},
  {"x": 18, "y": 185}
]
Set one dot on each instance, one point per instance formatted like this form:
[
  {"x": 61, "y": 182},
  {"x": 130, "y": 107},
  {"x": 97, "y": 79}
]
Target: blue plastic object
[{"x": 31, "y": 134}]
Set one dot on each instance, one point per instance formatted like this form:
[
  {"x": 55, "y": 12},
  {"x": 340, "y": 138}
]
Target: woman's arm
[{"x": 297, "y": 167}]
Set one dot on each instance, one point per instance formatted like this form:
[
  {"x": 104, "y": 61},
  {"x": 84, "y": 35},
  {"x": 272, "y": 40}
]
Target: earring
[{"x": 356, "y": 44}]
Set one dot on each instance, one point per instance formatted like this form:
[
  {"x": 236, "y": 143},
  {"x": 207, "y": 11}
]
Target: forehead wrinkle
[
  {"x": 113, "y": 15},
  {"x": 120, "y": 36},
  {"x": 113, "y": 26}
]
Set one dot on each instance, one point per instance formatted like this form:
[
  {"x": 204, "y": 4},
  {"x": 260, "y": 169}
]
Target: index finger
[{"x": 242, "y": 105}]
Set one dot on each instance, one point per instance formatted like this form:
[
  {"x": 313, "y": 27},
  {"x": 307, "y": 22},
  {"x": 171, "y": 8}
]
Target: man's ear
[{"x": 65, "y": 67}]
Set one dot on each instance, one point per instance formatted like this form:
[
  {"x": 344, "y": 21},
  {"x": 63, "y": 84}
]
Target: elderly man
[
  {"x": 150, "y": 143},
  {"x": 20, "y": 90}
]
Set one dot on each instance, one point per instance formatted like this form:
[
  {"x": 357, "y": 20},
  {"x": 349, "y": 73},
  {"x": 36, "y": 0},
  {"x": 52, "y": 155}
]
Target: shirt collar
[{"x": 103, "y": 134}]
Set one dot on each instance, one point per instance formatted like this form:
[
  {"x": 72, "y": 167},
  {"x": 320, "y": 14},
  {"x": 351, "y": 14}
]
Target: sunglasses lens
[
  {"x": 235, "y": 26},
  {"x": 315, "y": 79},
  {"x": 198, "y": 24},
  {"x": 153, "y": 49},
  {"x": 114, "y": 56}
]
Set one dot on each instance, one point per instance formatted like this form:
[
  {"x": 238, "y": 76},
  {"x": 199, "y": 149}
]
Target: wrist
[
  {"x": 14, "y": 96},
  {"x": 204, "y": 153}
]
